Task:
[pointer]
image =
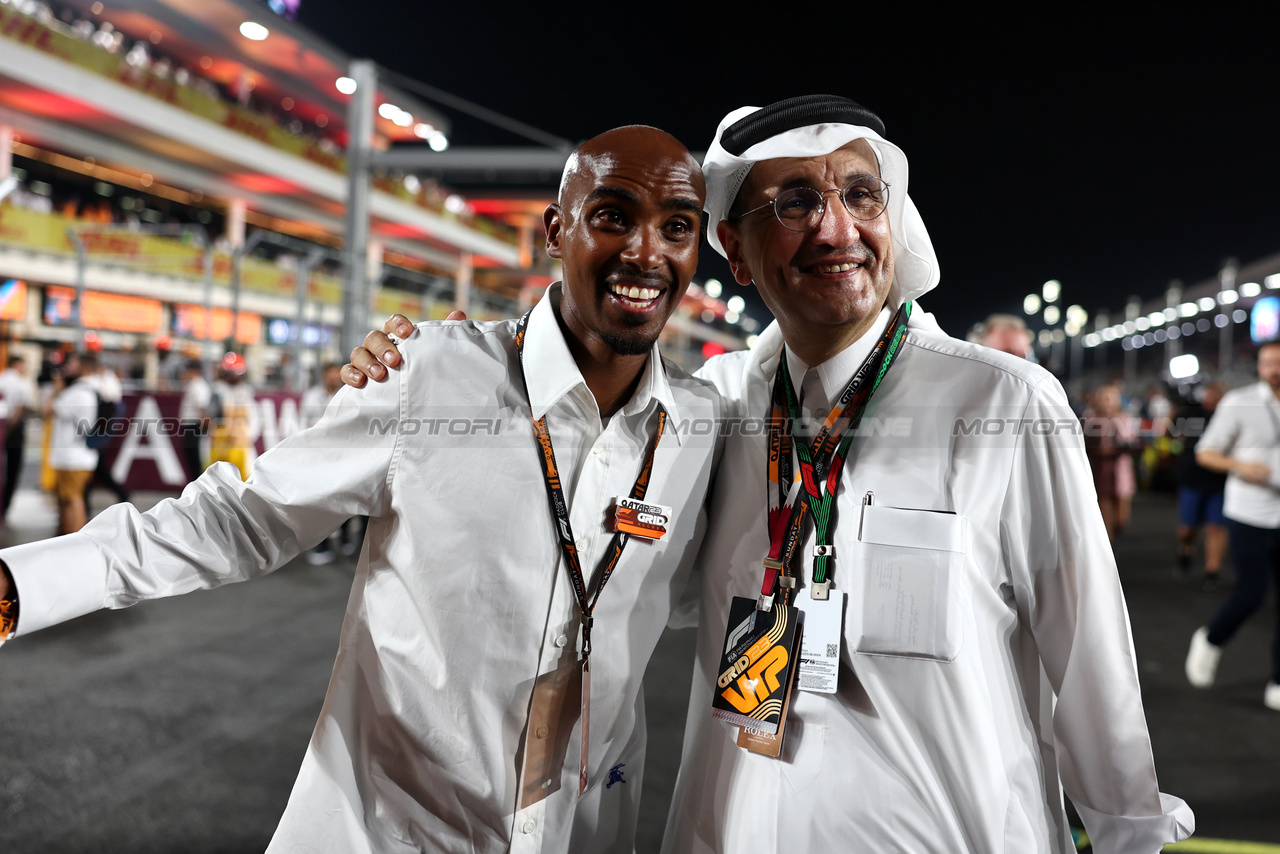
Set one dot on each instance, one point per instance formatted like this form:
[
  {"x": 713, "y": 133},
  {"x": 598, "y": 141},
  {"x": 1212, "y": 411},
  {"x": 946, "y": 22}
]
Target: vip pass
[{"x": 759, "y": 660}]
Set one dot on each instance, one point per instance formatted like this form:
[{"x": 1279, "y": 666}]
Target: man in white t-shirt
[
  {"x": 15, "y": 391},
  {"x": 1243, "y": 440},
  {"x": 73, "y": 408}
]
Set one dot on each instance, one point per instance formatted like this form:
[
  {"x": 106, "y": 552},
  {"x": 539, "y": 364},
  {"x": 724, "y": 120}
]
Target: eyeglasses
[{"x": 801, "y": 208}]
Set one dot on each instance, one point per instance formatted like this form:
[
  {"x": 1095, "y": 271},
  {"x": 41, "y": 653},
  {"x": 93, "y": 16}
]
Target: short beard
[{"x": 629, "y": 345}]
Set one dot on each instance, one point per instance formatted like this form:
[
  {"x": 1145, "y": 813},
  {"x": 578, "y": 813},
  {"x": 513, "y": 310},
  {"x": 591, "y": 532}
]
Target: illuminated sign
[
  {"x": 281, "y": 331},
  {"x": 189, "y": 322},
  {"x": 1264, "y": 321},
  {"x": 100, "y": 310},
  {"x": 13, "y": 300}
]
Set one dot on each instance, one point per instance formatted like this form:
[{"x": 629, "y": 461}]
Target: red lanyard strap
[
  {"x": 821, "y": 461},
  {"x": 560, "y": 508}
]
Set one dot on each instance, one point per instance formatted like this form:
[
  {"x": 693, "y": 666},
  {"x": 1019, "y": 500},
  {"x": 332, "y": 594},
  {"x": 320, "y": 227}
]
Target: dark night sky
[{"x": 1113, "y": 147}]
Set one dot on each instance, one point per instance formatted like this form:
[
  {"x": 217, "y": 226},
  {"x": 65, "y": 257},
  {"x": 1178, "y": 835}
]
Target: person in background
[
  {"x": 106, "y": 384},
  {"x": 316, "y": 399},
  {"x": 1157, "y": 406},
  {"x": 74, "y": 403},
  {"x": 1200, "y": 494},
  {"x": 193, "y": 419},
  {"x": 1109, "y": 440},
  {"x": 314, "y": 402},
  {"x": 1007, "y": 333},
  {"x": 1243, "y": 441},
  {"x": 233, "y": 416},
  {"x": 15, "y": 391}
]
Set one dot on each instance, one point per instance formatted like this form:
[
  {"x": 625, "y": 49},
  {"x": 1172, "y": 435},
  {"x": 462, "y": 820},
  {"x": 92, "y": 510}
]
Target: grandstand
[{"x": 174, "y": 178}]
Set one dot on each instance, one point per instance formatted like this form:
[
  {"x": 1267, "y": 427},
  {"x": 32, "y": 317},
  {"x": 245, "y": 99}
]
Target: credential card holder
[{"x": 556, "y": 707}]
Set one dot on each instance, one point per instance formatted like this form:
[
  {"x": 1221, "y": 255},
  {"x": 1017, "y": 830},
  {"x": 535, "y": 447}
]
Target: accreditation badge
[
  {"x": 641, "y": 518},
  {"x": 556, "y": 707},
  {"x": 757, "y": 666},
  {"x": 823, "y": 634}
]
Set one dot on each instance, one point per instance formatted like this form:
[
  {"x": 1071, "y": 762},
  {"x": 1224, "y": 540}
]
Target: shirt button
[
  {"x": 529, "y": 826},
  {"x": 562, "y": 641},
  {"x": 541, "y": 732}
]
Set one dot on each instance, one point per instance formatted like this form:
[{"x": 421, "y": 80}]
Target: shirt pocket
[{"x": 909, "y": 572}]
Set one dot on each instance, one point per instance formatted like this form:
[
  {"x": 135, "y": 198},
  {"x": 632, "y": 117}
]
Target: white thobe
[{"x": 969, "y": 686}]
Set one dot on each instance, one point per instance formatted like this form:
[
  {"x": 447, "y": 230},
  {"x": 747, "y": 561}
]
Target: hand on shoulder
[{"x": 372, "y": 360}]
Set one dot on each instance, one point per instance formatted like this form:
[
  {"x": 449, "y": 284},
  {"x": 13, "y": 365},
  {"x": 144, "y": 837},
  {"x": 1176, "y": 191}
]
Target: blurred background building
[{"x": 175, "y": 180}]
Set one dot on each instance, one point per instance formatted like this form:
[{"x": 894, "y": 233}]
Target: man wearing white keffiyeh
[{"x": 972, "y": 691}]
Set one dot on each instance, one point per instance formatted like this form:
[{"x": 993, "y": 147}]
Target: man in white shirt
[
  {"x": 193, "y": 415},
  {"x": 438, "y": 732},
  {"x": 106, "y": 383},
  {"x": 316, "y": 398},
  {"x": 74, "y": 409},
  {"x": 1243, "y": 440},
  {"x": 15, "y": 392},
  {"x": 985, "y": 659},
  {"x": 980, "y": 658}
]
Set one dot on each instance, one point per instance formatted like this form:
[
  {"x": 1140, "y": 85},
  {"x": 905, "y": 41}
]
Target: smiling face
[
  {"x": 626, "y": 230},
  {"x": 825, "y": 285}
]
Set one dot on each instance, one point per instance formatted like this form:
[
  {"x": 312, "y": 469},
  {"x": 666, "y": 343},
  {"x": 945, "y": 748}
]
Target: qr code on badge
[{"x": 833, "y": 650}]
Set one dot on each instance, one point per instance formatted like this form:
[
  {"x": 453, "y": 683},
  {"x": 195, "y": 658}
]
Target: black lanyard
[
  {"x": 821, "y": 461},
  {"x": 560, "y": 509}
]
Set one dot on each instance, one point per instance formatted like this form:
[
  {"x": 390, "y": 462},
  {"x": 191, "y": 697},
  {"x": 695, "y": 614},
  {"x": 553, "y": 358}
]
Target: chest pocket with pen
[{"x": 909, "y": 575}]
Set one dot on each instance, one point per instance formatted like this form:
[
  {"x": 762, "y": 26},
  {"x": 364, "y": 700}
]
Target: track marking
[{"x": 1201, "y": 845}]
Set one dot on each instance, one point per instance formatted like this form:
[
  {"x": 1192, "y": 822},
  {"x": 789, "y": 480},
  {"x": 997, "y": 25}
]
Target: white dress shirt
[
  {"x": 969, "y": 685},
  {"x": 461, "y": 598},
  {"x": 1246, "y": 426}
]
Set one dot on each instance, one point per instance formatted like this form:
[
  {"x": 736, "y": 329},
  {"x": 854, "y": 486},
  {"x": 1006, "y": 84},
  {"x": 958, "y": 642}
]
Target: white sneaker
[
  {"x": 1271, "y": 699},
  {"x": 1202, "y": 660}
]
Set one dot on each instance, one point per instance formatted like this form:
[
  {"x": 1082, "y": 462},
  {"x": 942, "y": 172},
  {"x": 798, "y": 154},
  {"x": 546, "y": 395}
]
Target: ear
[
  {"x": 732, "y": 243},
  {"x": 553, "y": 222}
]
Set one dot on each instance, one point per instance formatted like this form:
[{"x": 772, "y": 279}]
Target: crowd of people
[
  {"x": 76, "y": 393},
  {"x": 1226, "y": 470}
]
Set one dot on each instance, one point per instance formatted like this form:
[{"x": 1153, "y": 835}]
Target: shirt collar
[
  {"x": 836, "y": 372},
  {"x": 552, "y": 373}
]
